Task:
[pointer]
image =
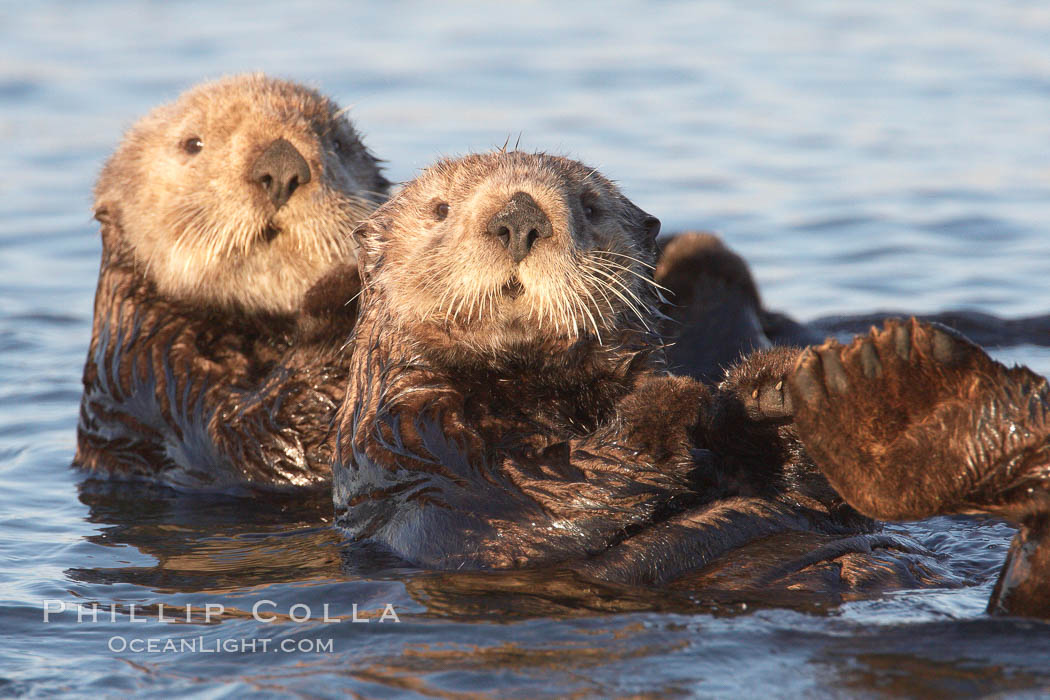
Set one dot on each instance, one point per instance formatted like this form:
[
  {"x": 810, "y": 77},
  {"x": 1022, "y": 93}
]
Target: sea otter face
[
  {"x": 240, "y": 193},
  {"x": 507, "y": 248}
]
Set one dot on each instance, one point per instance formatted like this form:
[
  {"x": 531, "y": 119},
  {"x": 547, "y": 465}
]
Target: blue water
[{"x": 860, "y": 155}]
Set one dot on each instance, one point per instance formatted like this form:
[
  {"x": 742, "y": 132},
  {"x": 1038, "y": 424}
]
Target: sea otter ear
[
  {"x": 651, "y": 226},
  {"x": 646, "y": 226},
  {"x": 367, "y": 235},
  {"x": 109, "y": 216},
  {"x": 113, "y": 183},
  {"x": 104, "y": 214},
  {"x": 364, "y": 244}
]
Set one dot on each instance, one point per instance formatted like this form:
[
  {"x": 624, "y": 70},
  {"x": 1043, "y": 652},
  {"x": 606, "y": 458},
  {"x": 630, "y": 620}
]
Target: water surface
[{"x": 860, "y": 155}]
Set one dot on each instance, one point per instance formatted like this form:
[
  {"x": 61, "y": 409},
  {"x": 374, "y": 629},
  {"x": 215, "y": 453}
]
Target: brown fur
[
  {"x": 195, "y": 376},
  {"x": 712, "y": 307},
  {"x": 908, "y": 422},
  {"x": 488, "y": 429},
  {"x": 687, "y": 259},
  {"x": 491, "y": 439},
  {"x": 201, "y": 231},
  {"x": 914, "y": 420},
  {"x": 716, "y": 313}
]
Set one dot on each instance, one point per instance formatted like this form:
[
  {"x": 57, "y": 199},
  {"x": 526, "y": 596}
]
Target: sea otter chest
[
  {"x": 446, "y": 479},
  {"x": 167, "y": 392}
]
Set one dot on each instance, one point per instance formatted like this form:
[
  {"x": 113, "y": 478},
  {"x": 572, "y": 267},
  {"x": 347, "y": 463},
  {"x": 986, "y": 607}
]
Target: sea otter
[
  {"x": 506, "y": 407},
  {"x": 222, "y": 213}
]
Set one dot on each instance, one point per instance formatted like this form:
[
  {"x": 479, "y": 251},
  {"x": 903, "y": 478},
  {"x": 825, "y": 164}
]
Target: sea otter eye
[
  {"x": 192, "y": 145},
  {"x": 589, "y": 208},
  {"x": 441, "y": 211},
  {"x": 337, "y": 145}
]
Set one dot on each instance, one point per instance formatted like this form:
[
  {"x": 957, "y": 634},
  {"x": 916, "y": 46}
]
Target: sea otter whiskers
[
  {"x": 527, "y": 422},
  {"x": 240, "y": 194},
  {"x": 486, "y": 260},
  {"x": 220, "y": 212}
]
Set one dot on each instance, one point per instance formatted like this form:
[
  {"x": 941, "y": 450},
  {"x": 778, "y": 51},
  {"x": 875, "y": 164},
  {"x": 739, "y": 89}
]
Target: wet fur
[
  {"x": 514, "y": 435},
  {"x": 906, "y": 422},
  {"x": 201, "y": 374},
  {"x": 913, "y": 420},
  {"x": 494, "y": 441},
  {"x": 716, "y": 315}
]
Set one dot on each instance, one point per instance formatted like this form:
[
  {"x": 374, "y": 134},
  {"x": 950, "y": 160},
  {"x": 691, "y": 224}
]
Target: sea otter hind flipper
[
  {"x": 712, "y": 306},
  {"x": 914, "y": 420}
]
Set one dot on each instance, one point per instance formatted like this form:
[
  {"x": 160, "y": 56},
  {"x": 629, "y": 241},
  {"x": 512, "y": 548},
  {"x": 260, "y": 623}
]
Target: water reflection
[
  {"x": 943, "y": 660},
  {"x": 213, "y": 544},
  {"x": 225, "y": 545}
]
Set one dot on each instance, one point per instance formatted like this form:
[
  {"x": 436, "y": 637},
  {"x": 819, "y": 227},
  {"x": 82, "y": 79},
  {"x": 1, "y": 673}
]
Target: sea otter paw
[
  {"x": 760, "y": 383},
  {"x": 918, "y": 364},
  {"x": 914, "y": 420},
  {"x": 771, "y": 400}
]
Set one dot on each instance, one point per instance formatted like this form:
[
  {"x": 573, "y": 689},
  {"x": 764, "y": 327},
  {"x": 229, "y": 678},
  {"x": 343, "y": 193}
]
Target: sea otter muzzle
[
  {"x": 279, "y": 171},
  {"x": 519, "y": 224}
]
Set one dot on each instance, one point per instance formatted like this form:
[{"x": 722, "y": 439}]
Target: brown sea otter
[
  {"x": 505, "y": 406},
  {"x": 219, "y": 212}
]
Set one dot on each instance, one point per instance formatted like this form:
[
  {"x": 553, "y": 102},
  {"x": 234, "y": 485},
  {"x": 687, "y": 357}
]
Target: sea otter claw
[{"x": 759, "y": 383}]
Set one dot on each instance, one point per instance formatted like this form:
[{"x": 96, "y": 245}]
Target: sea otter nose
[
  {"x": 280, "y": 170},
  {"x": 519, "y": 224}
]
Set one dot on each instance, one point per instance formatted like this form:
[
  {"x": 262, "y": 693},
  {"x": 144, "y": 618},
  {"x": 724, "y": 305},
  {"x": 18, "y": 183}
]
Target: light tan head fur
[
  {"x": 198, "y": 225},
  {"x": 443, "y": 276}
]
